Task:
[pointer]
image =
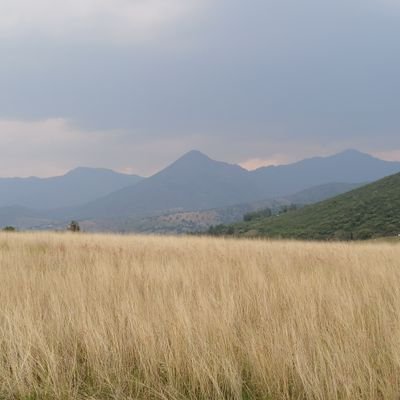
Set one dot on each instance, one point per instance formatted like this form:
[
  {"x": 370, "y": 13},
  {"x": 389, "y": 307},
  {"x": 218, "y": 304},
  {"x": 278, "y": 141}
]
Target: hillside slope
[
  {"x": 367, "y": 212},
  {"x": 198, "y": 221}
]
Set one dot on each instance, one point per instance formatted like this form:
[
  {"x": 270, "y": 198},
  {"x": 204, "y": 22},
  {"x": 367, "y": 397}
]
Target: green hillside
[{"x": 368, "y": 212}]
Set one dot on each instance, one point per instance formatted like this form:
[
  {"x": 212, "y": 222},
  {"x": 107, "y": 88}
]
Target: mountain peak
[
  {"x": 197, "y": 159},
  {"x": 352, "y": 155},
  {"x": 194, "y": 155},
  {"x": 84, "y": 170},
  {"x": 192, "y": 159},
  {"x": 353, "y": 152},
  {"x": 197, "y": 165}
]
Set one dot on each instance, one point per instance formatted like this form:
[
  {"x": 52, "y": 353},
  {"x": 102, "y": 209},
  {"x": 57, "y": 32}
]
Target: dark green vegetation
[
  {"x": 372, "y": 211},
  {"x": 265, "y": 213},
  {"x": 74, "y": 226},
  {"x": 8, "y": 229}
]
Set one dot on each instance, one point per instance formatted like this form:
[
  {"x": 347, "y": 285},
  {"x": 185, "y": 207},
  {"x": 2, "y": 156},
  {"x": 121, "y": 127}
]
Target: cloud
[
  {"x": 241, "y": 82},
  {"x": 389, "y": 155},
  {"x": 390, "y": 3},
  {"x": 116, "y": 20},
  {"x": 53, "y": 146},
  {"x": 277, "y": 159},
  {"x": 39, "y": 147}
]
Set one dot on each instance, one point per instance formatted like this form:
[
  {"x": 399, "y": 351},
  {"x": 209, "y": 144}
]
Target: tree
[
  {"x": 74, "y": 226},
  {"x": 230, "y": 230},
  {"x": 283, "y": 210},
  {"x": 9, "y": 229}
]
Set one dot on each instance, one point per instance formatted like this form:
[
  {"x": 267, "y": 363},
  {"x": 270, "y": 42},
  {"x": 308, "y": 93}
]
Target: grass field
[{"x": 118, "y": 317}]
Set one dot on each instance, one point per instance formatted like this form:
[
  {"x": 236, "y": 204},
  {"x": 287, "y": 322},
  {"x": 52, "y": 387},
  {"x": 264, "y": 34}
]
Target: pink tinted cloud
[
  {"x": 277, "y": 159},
  {"x": 389, "y": 155}
]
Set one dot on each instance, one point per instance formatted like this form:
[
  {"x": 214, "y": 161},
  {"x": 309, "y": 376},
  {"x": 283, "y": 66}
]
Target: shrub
[
  {"x": 74, "y": 227},
  {"x": 9, "y": 229},
  {"x": 365, "y": 234},
  {"x": 343, "y": 235}
]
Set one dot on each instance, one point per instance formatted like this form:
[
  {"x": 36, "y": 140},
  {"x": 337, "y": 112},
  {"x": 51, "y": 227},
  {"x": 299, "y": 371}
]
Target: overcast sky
[{"x": 133, "y": 84}]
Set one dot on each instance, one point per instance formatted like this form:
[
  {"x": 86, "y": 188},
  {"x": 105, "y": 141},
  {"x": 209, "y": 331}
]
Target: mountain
[
  {"x": 194, "y": 182},
  {"x": 78, "y": 186},
  {"x": 368, "y": 212},
  {"x": 350, "y": 166}
]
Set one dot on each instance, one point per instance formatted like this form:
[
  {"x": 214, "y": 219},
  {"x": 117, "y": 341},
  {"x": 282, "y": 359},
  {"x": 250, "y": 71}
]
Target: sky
[{"x": 133, "y": 84}]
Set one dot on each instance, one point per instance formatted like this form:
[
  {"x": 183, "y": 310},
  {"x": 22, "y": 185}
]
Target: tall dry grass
[{"x": 108, "y": 317}]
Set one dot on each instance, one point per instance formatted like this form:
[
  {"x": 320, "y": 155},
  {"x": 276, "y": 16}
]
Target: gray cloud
[
  {"x": 118, "y": 21},
  {"x": 267, "y": 80}
]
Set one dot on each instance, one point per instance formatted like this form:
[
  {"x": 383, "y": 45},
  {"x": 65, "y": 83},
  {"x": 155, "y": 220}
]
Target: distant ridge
[
  {"x": 349, "y": 166},
  {"x": 75, "y": 187}
]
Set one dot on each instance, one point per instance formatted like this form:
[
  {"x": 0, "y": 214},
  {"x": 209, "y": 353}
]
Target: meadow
[{"x": 145, "y": 317}]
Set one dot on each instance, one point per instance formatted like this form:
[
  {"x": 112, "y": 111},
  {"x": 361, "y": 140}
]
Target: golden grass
[{"x": 110, "y": 317}]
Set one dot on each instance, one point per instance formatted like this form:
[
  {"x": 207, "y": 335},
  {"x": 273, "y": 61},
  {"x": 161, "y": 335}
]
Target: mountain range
[{"x": 192, "y": 183}]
